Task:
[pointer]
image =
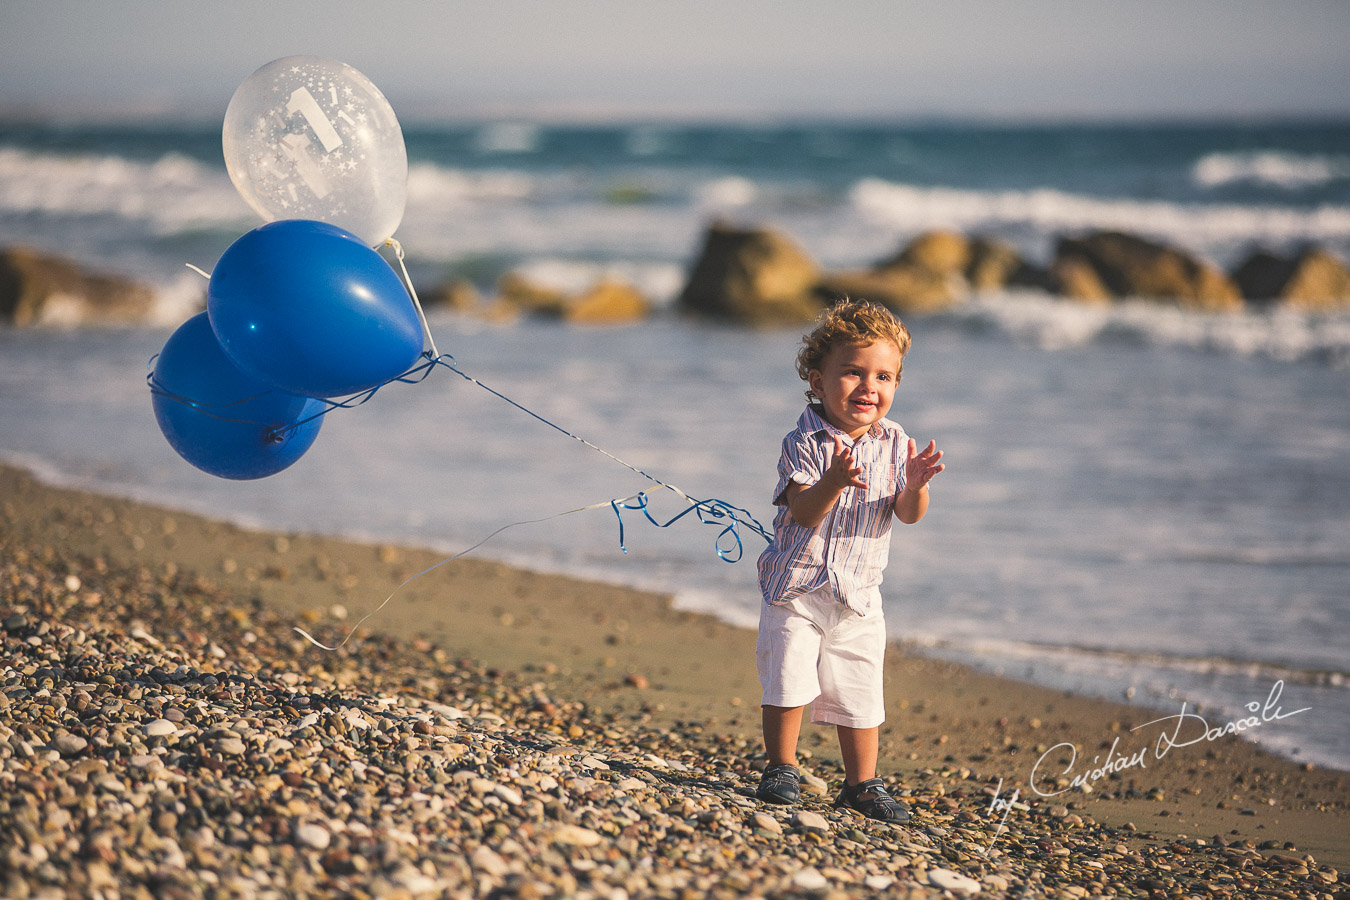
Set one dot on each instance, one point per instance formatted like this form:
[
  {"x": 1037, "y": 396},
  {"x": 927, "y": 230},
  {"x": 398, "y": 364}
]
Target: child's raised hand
[
  {"x": 921, "y": 467},
  {"x": 842, "y": 472}
]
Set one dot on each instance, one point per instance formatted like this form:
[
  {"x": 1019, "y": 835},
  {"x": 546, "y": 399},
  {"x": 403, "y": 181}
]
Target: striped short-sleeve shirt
[{"x": 849, "y": 549}]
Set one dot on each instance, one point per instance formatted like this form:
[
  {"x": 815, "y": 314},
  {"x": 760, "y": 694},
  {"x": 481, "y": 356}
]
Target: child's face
[{"x": 856, "y": 384}]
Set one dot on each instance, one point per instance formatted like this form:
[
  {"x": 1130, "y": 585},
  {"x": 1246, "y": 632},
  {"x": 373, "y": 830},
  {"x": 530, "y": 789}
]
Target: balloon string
[
  {"x": 412, "y": 292},
  {"x": 307, "y": 636},
  {"x": 707, "y": 510},
  {"x": 157, "y": 388}
]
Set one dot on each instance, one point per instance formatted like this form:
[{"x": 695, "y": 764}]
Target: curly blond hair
[{"x": 847, "y": 323}]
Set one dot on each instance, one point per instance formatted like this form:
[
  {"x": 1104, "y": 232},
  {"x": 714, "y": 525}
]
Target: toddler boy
[{"x": 845, "y": 471}]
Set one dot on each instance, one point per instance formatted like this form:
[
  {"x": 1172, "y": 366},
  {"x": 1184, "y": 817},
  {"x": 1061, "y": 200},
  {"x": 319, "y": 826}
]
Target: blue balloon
[
  {"x": 307, "y": 307},
  {"x": 222, "y": 421}
]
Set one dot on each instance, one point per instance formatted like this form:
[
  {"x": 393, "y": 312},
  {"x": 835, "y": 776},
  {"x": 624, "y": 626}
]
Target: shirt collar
[{"x": 812, "y": 422}]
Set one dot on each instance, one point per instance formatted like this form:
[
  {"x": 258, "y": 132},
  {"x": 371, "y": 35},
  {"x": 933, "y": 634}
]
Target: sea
[{"x": 1141, "y": 503}]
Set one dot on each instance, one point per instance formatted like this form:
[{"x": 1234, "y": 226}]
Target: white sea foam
[
  {"x": 1283, "y": 170},
  {"x": 169, "y": 195},
  {"x": 178, "y": 299},
  {"x": 1088, "y": 658},
  {"x": 658, "y": 281},
  {"x": 729, "y": 192},
  {"x": 438, "y": 186},
  {"x": 1199, "y": 226},
  {"x": 1053, "y": 324}
]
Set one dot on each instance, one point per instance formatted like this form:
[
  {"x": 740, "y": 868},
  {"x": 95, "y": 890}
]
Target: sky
[{"x": 602, "y": 59}]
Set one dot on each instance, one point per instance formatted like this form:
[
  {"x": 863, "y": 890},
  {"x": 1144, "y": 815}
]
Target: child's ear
[{"x": 814, "y": 379}]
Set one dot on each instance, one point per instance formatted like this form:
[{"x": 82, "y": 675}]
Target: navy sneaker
[
  {"x": 872, "y": 800},
  {"x": 780, "y": 784}
]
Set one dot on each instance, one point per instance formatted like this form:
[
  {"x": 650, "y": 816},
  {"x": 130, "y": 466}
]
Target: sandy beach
[{"x": 165, "y": 732}]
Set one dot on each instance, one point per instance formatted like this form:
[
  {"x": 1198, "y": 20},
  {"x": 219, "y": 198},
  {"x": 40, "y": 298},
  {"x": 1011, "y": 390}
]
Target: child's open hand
[
  {"x": 921, "y": 467},
  {"x": 842, "y": 472}
]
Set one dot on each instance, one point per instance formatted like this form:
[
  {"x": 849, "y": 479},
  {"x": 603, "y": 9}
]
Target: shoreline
[
  {"x": 630, "y": 660},
  {"x": 954, "y": 654}
]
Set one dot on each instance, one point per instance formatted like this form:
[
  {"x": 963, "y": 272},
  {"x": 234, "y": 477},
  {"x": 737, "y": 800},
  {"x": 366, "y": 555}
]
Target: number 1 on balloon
[{"x": 303, "y": 102}]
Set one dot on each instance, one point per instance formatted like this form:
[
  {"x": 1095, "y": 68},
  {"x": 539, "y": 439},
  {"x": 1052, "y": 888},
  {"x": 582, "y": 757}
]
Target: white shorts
[{"x": 816, "y": 650}]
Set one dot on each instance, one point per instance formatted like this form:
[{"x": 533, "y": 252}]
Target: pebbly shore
[{"x": 165, "y": 734}]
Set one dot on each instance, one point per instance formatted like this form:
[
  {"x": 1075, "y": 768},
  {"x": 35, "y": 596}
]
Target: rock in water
[
  {"x": 39, "y": 289},
  {"x": 756, "y": 276},
  {"x": 608, "y": 301},
  {"x": 1313, "y": 280},
  {"x": 1130, "y": 266},
  {"x": 940, "y": 252}
]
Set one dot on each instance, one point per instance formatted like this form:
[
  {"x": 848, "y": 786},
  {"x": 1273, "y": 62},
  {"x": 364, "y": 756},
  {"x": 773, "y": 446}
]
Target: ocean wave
[
  {"x": 522, "y": 212},
  {"x": 434, "y": 185},
  {"x": 1201, "y": 226},
  {"x": 1270, "y": 168},
  {"x": 659, "y": 281},
  {"x": 1093, "y": 657},
  {"x": 1052, "y": 324},
  {"x": 170, "y": 195}
]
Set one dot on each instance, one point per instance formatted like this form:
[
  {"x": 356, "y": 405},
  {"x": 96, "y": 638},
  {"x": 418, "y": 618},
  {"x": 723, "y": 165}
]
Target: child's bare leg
[
  {"x": 782, "y": 725},
  {"x": 859, "y": 748}
]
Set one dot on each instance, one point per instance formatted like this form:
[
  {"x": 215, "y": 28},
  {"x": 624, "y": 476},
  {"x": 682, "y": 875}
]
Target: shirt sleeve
[
  {"x": 899, "y": 451},
  {"x": 799, "y": 464}
]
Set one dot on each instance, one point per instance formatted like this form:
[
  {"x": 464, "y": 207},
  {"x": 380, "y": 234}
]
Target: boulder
[
  {"x": 941, "y": 252},
  {"x": 1075, "y": 278},
  {"x": 459, "y": 295},
  {"x": 994, "y": 265},
  {"x": 43, "y": 290},
  {"x": 927, "y": 275},
  {"x": 756, "y": 276},
  {"x": 1130, "y": 266},
  {"x": 1313, "y": 280},
  {"x": 903, "y": 289},
  {"x": 518, "y": 292},
  {"x": 608, "y": 302}
]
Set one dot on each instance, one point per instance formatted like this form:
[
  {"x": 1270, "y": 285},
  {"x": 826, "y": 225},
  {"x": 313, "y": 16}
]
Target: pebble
[
  {"x": 812, "y": 784},
  {"x": 69, "y": 744},
  {"x": 811, "y": 821},
  {"x": 575, "y": 835},
  {"x": 215, "y": 758},
  {"x": 486, "y": 860},
  {"x": 809, "y": 879},
  {"x": 766, "y": 823},
  {"x": 510, "y": 795},
  {"x": 955, "y": 882},
  {"x": 230, "y": 746},
  {"x": 315, "y": 836}
]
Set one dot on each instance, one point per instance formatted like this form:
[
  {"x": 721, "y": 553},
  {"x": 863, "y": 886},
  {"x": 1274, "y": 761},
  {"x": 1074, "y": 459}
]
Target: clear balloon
[
  {"x": 306, "y": 307},
  {"x": 222, "y": 421},
  {"x": 312, "y": 138}
]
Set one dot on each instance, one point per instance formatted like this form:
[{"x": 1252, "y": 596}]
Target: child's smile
[{"x": 856, "y": 384}]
